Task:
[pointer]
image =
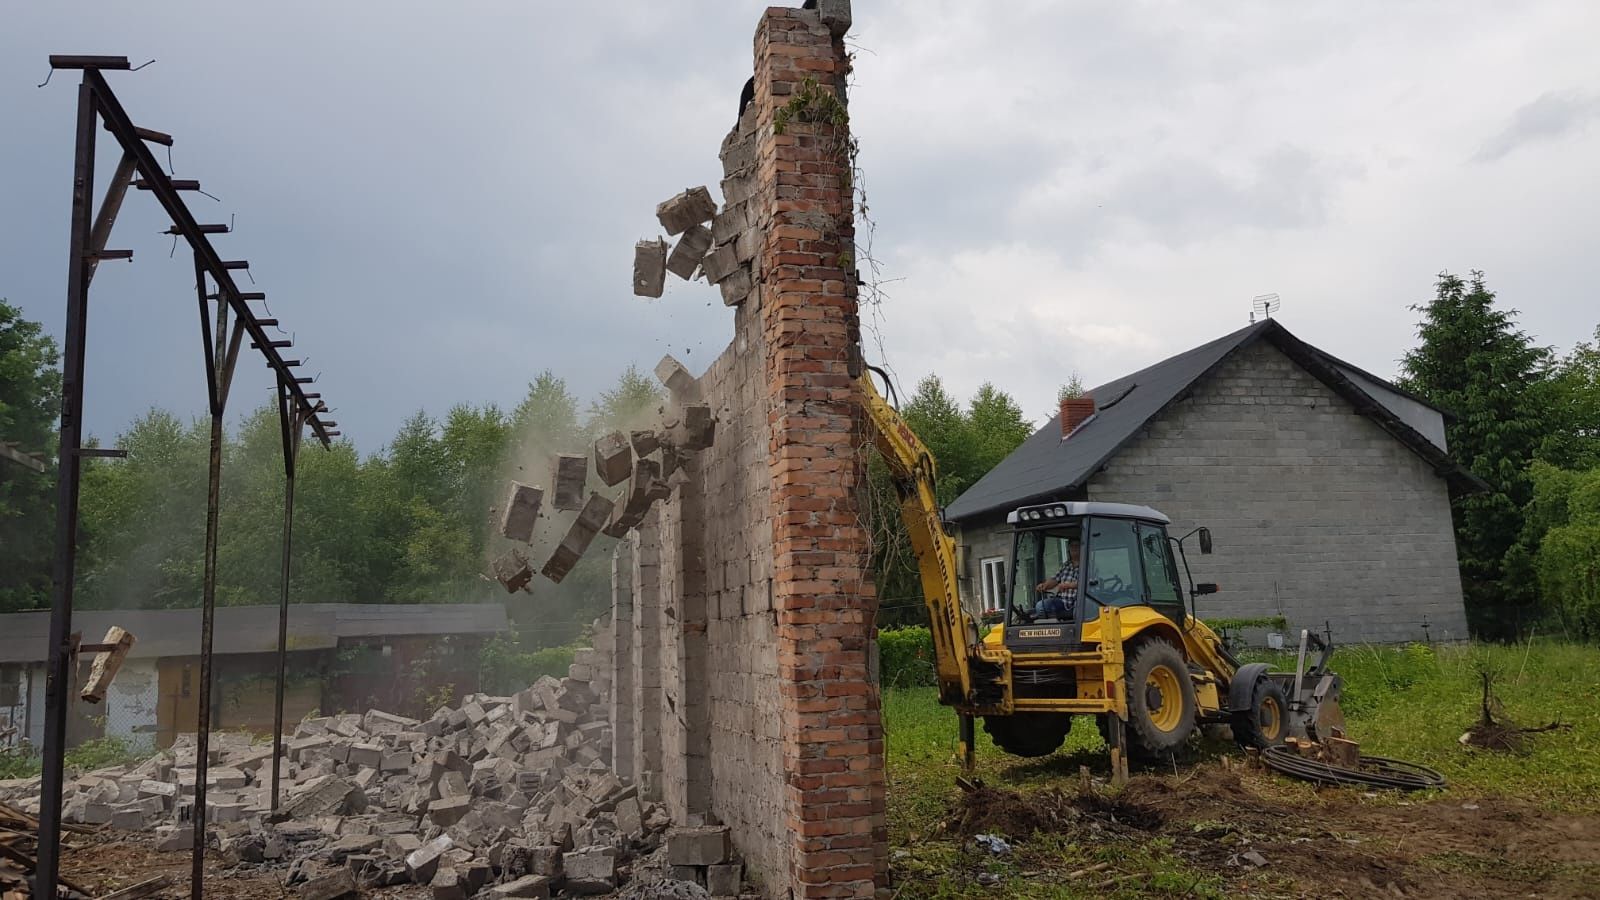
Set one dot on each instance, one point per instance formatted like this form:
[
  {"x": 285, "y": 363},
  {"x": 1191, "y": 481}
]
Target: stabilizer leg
[
  {"x": 968, "y": 748},
  {"x": 1117, "y": 737}
]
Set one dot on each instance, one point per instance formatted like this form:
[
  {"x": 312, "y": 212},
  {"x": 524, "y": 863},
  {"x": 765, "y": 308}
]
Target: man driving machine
[{"x": 1058, "y": 593}]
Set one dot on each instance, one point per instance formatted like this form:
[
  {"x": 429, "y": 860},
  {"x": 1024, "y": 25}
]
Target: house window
[{"x": 994, "y": 583}]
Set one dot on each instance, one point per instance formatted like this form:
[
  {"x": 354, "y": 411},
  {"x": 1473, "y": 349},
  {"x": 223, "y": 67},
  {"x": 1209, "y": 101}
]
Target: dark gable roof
[{"x": 1046, "y": 467}]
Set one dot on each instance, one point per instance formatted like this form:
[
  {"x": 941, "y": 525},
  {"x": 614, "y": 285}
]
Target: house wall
[
  {"x": 130, "y": 705},
  {"x": 1316, "y": 512}
]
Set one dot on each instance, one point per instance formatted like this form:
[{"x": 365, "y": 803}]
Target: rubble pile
[{"x": 496, "y": 797}]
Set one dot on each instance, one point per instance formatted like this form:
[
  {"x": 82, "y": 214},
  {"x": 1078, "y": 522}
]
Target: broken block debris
[
  {"x": 672, "y": 373},
  {"x": 513, "y": 571}
]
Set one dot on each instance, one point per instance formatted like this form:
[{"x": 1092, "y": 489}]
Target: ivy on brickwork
[{"x": 811, "y": 104}]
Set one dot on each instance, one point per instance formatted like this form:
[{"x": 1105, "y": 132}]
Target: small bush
[
  {"x": 505, "y": 668},
  {"x": 905, "y": 657},
  {"x": 18, "y": 762}
]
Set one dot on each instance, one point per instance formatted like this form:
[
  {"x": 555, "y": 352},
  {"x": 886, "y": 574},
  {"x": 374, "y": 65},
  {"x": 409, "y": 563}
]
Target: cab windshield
[{"x": 1046, "y": 581}]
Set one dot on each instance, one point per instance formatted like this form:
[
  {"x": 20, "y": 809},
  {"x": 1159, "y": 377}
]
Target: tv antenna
[{"x": 1265, "y": 305}]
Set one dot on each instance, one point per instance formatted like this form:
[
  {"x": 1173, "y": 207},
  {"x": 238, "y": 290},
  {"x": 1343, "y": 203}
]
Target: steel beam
[{"x": 59, "y": 654}]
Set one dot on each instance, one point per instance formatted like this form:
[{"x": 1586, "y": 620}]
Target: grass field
[{"x": 1409, "y": 703}]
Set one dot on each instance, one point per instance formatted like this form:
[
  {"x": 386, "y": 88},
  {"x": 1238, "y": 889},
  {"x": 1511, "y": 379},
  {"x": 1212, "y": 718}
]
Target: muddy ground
[{"x": 1331, "y": 842}]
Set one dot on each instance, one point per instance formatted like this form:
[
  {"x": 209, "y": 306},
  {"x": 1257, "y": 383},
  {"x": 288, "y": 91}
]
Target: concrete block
[
  {"x": 172, "y": 838},
  {"x": 590, "y": 870},
  {"x": 694, "y": 430},
  {"x": 526, "y": 886},
  {"x": 521, "y": 512},
  {"x": 644, "y": 442},
  {"x": 613, "y": 458},
  {"x": 686, "y": 210},
  {"x": 672, "y": 373},
  {"x": 401, "y": 845},
  {"x": 703, "y": 846},
  {"x": 691, "y": 874},
  {"x": 329, "y": 886},
  {"x": 720, "y": 263},
  {"x": 545, "y": 859},
  {"x": 730, "y": 223},
  {"x": 423, "y": 862},
  {"x": 723, "y": 879},
  {"x": 836, "y": 15},
  {"x": 590, "y": 520},
  {"x": 513, "y": 570},
  {"x": 323, "y": 796},
  {"x": 691, "y": 248},
  {"x": 447, "y": 884},
  {"x": 736, "y": 287},
  {"x": 447, "y": 811},
  {"x": 570, "y": 476},
  {"x": 649, "y": 268}
]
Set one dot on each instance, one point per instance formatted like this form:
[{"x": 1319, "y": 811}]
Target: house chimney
[{"x": 1074, "y": 412}]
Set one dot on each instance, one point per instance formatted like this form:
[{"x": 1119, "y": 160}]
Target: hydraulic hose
[{"x": 1375, "y": 771}]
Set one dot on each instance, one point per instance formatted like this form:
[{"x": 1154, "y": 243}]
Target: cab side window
[{"x": 1160, "y": 572}]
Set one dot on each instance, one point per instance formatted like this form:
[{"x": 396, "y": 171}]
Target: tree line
[{"x": 411, "y": 522}]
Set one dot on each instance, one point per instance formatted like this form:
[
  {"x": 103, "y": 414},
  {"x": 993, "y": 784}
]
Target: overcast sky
[{"x": 441, "y": 200}]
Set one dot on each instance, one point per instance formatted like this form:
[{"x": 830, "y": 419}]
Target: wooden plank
[
  {"x": 142, "y": 889},
  {"x": 106, "y": 664}
]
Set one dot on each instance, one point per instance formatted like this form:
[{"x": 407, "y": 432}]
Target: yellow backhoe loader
[{"x": 1095, "y": 624}]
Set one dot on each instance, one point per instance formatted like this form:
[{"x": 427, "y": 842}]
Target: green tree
[
  {"x": 30, "y": 392},
  {"x": 1574, "y": 407},
  {"x": 548, "y": 416},
  {"x": 1568, "y": 559},
  {"x": 966, "y": 444},
  {"x": 629, "y": 405},
  {"x": 1473, "y": 361}
]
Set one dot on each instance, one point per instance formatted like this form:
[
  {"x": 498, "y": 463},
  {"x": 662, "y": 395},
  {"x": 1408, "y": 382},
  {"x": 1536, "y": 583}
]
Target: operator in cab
[{"x": 1058, "y": 593}]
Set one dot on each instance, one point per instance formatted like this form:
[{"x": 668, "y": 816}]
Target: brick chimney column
[{"x": 823, "y": 596}]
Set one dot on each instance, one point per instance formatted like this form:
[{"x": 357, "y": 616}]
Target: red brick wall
[{"x": 831, "y": 734}]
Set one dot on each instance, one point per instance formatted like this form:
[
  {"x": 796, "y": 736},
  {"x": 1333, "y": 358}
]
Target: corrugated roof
[
  {"x": 1047, "y": 467},
  {"x": 24, "y": 636}
]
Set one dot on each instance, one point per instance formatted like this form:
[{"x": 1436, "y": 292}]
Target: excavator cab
[{"x": 1070, "y": 560}]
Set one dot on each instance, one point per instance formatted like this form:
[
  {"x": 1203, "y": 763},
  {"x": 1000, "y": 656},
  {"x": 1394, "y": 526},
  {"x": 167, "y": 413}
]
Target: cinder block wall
[
  {"x": 1312, "y": 506},
  {"x": 752, "y": 598}
]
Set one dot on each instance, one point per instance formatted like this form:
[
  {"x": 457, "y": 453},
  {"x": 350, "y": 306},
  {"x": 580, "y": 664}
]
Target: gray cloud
[{"x": 1553, "y": 115}]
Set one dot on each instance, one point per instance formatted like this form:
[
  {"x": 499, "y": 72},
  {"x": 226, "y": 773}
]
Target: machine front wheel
[{"x": 1161, "y": 701}]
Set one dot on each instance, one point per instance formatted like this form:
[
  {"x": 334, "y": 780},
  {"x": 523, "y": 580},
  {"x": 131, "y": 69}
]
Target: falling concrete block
[
  {"x": 613, "y": 458},
  {"x": 650, "y": 268},
  {"x": 571, "y": 474},
  {"x": 720, "y": 263},
  {"x": 686, "y": 210},
  {"x": 645, "y": 473},
  {"x": 584, "y": 528},
  {"x": 513, "y": 571},
  {"x": 706, "y": 845},
  {"x": 694, "y": 430},
  {"x": 521, "y": 512},
  {"x": 671, "y": 373},
  {"x": 644, "y": 442},
  {"x": 690, "y": 250},
  {"x": 736, "y": 287}
]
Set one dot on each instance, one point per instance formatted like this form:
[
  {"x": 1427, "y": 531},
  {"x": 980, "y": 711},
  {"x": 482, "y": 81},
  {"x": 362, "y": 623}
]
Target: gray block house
[{"x": 1326, "y": 489}]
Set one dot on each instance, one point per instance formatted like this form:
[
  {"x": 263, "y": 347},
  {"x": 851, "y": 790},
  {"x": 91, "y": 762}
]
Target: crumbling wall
[{"x": 756, "y": 572}]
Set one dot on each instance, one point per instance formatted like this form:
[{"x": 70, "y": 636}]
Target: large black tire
[
  {"x": 1161, "y": 702},
  {"x": 1266, "y": 723},
  {"x": 1028, "y": 734}
]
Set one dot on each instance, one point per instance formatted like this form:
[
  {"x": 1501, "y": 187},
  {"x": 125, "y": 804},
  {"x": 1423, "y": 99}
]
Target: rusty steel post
[
  {"x": 291, "y": 421},
  {"x": 58, "y": 680}
]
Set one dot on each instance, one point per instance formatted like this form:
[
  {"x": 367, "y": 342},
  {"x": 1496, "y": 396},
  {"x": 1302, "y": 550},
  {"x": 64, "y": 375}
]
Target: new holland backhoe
[{"x": 1095, "y": 623}]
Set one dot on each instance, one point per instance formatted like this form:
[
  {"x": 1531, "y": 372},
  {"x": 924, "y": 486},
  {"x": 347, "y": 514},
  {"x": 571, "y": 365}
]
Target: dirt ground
[
  {"x": 1323, "y": 843},
  {"x": 110, "y": 860}
]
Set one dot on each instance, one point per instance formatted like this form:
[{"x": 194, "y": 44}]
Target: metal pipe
[
  {"x": 109, "y": 208},
  {"x": 57, "y": 679}
]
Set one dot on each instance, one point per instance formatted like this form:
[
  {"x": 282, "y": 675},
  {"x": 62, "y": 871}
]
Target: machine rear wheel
[
  {"x": 1028, "y": 734},
  {"x": 1266, "y": 722},
  {"x": 1161, "y": 701}
]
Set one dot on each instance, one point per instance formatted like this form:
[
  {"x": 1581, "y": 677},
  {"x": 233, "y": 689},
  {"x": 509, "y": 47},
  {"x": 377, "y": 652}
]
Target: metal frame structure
[{"x": 222, "y": 339}]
